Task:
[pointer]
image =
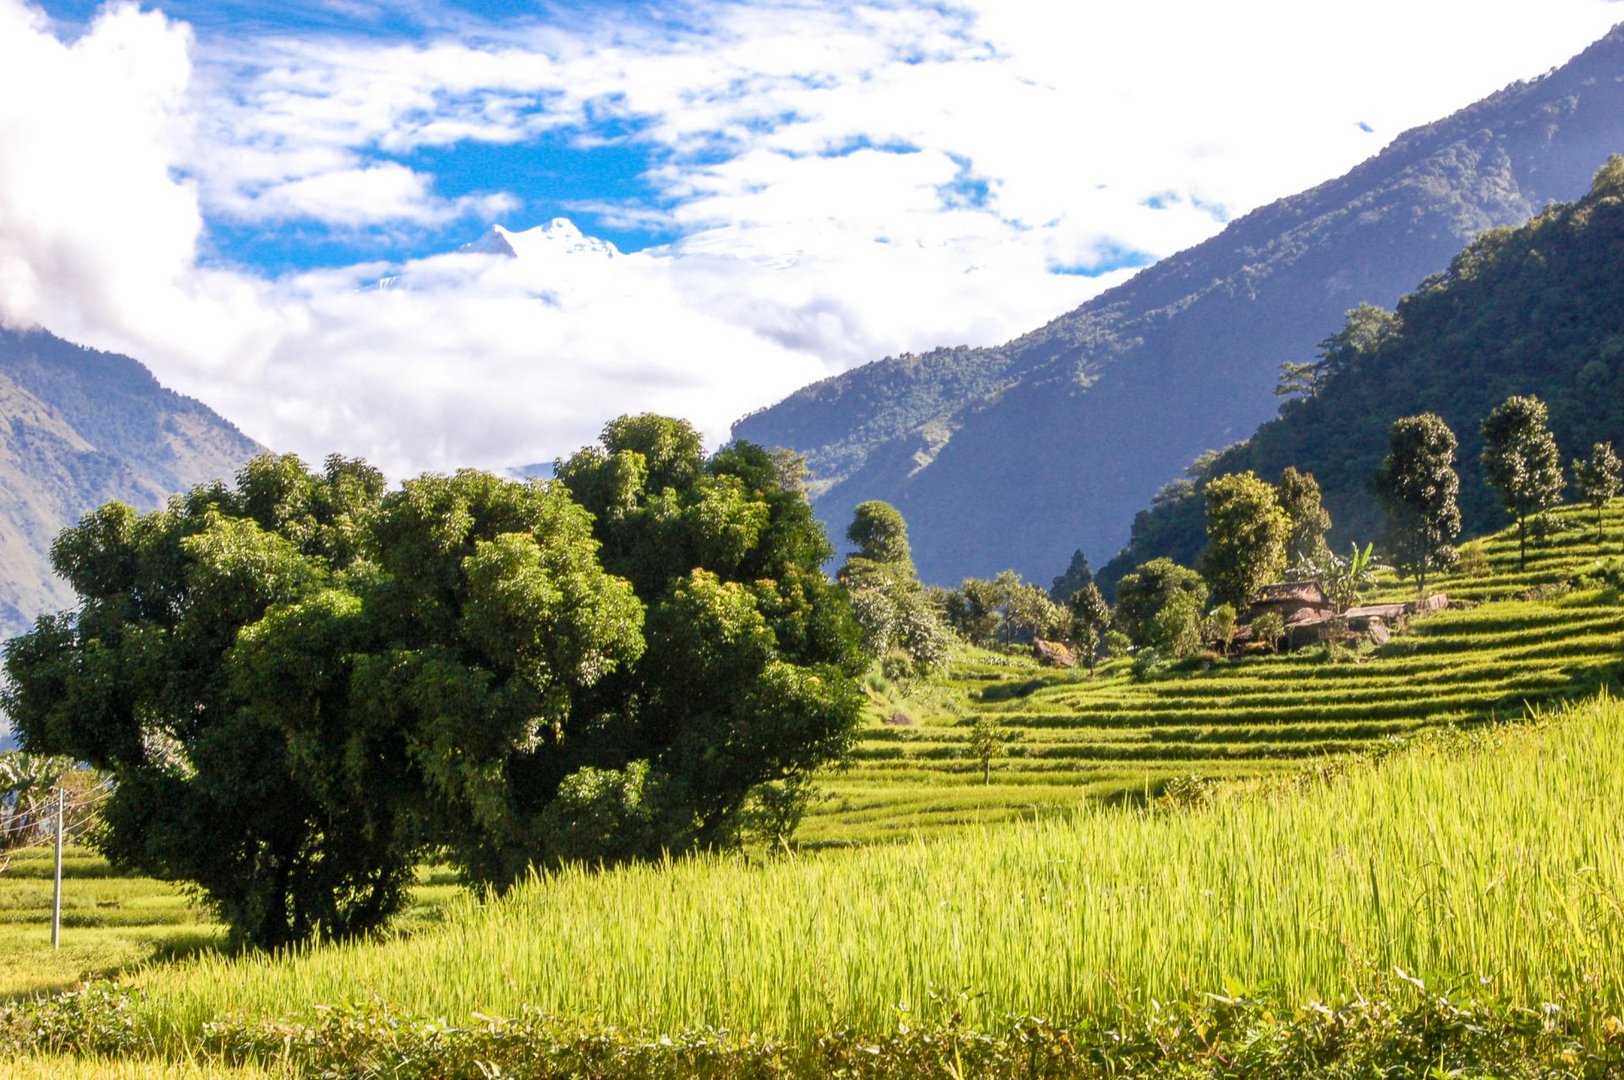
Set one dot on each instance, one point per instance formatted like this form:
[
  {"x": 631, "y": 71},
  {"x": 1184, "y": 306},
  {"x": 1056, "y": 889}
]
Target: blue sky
[{"x": 713, "y": 203}]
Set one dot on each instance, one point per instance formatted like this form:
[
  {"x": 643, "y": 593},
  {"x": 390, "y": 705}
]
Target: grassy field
[
  {"x": 1496, "y": 869},
  {"x": 119, "y": 924},
  {"x": 1077, "y": 739},
  {"x": 110, "y": 922}
]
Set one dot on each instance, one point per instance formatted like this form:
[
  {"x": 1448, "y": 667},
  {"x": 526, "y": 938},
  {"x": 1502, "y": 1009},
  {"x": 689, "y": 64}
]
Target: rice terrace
[
  {"x": 1385, "y": 853},
  {"x": 774, "y": 540}
]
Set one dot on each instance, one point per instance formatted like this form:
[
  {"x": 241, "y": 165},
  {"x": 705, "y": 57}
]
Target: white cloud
[
  {"x": 93, "y": 228},
  {"x": 847, "y": 181}
]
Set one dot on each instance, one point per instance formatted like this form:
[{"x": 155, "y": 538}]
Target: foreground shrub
[{"x": 1408, "y": 1030}]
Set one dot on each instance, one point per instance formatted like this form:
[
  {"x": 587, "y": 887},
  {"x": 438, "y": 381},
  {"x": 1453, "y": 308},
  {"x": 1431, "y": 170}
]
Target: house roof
[{"x": 1291, "y": 592}]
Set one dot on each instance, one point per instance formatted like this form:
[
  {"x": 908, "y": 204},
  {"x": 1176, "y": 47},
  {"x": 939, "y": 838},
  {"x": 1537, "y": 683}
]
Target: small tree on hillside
[
  {"x": 1345, "y": 580},
  {"x": 1299, "y": 496},
  {"x": 1521, "y": 462},
  {"x": 1222, "y": 622},
  {"x": 1268, "y": 629},
  {"x": 1090, "y": 618},
  {"x": 1031, "y": 613},
  {"x": 1175, "y": 629},
  {"x": 1417, "y": 485},
  {"x": 988, "y": 739},
  {"x": 1598, "y": 479},
  {"x": 1146, "y": 591},
  {"x": 1076, "y": 575},
  {"x": 888, "y": 601},
  {"x": 1246, "y": 537}
]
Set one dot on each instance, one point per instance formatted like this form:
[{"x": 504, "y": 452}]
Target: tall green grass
[{"x": 1499, "y": 866}]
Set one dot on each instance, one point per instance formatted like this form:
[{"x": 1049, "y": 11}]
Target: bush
[
  {"x": 1473, "y": 560},
  {"x": 1268, "y": 629}
]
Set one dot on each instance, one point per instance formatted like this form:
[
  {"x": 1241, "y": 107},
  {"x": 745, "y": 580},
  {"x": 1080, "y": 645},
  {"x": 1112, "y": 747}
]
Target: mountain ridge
[
  {"x": 84, "y": 427},
  {"x": 1017, "y": 454}
]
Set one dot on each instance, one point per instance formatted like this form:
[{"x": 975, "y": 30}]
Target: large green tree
[
  {"x": 748, "y": 676},
  {"x": 146, "y": 680},
  {"x": 1246, "y": 537},
  {"x": 1521, "y": 462},
  {"x": 1417, "y": 487},
  {"x": 1090, "y": 619},
  {"x": 302, "y": 684}
]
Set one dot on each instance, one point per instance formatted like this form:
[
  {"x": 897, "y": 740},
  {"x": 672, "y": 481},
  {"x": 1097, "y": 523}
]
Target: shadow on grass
[{"x": 1010, "y": 691}]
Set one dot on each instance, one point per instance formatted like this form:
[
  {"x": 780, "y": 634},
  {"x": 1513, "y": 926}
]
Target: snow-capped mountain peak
[{"x": 559, "y": 237}]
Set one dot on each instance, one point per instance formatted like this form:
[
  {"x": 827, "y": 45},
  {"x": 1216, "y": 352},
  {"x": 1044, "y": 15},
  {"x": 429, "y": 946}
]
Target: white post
[{"x": 56, "y": 898}]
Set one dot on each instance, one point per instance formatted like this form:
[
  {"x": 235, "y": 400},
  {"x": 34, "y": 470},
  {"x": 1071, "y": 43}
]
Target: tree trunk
[
  {"x": 1522, "y": 546},
  {"x": 986, "y": 771}
]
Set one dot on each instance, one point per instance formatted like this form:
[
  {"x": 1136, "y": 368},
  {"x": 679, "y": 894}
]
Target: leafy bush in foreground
[{"x": 1409, "y": 1030}]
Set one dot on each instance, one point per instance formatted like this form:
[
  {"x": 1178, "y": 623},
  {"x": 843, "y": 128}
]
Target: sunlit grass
[{"x": 1501, "y": 866}]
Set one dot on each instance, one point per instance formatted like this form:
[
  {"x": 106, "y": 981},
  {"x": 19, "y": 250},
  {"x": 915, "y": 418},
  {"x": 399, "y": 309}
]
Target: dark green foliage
[
  {"x": 1521, "y": 462},
  {"x": 747, "y": 678},
  {"x": 1246, "y": 538},
  {"x": 1076, "y": 575},
  {"x": 1399, "y": 1030},
  {"x": 302, "y": 684},
  {"x": 147, "y": 681},
  {"x": 1417, "y": 485},
  {"x": 1002, "y": 608},
  {"x": 1532, "y": 310},
  {"x": 1150, "y": 589}
]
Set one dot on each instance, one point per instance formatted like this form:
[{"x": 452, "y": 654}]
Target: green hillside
[
  {"x": 1484, "y": 867},
  {"x": 1530, "y": 638},
  {"x": 1532, "y": 310}
]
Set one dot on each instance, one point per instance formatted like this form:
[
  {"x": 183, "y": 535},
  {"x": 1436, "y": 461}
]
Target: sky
[{"x": 285, "y": 209}]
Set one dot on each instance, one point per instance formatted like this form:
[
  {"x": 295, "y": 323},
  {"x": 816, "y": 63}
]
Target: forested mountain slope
[
  {"x": 82, "y": 427},
  {"x": 1533, "y": 310},
  {"x": 1016, "y": 455}
]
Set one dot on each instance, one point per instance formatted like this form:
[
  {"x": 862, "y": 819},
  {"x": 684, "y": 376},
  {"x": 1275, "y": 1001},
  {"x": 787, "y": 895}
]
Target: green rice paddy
[{"x": 1528, "y": 638}]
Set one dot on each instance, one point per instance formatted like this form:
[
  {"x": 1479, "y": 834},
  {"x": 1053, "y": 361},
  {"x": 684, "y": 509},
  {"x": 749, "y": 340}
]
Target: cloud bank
[{"x": 831, "y": 183}]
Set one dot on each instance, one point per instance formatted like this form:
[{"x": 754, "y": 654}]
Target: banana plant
[
  {"x": 27, "y": 785},
  {"x": 1344, "y": 581}
]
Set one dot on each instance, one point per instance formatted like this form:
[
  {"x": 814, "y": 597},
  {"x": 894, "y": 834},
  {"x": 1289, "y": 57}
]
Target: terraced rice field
[{"x": 1528, "y": 639}]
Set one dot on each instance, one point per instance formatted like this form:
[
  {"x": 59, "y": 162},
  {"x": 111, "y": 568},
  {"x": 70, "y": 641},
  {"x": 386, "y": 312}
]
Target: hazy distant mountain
[
  {"x": 1014, "y": 456},
  {"x": 80, "y": 428}
]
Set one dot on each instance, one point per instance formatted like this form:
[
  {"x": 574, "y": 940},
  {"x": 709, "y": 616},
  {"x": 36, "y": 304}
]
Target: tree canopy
[
  {"x": 1600, "y": 476},
  {"x": 303, "y": 683},
  {"x": 1157, "y": 585},
  {"x": 1417, "y": 485},
  {"x": 897, "y": 617},
  {"x": 1299, "y": 496},
  {"x": 1521, "y": 462},
  {"x": 1246, "y": 537}
]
